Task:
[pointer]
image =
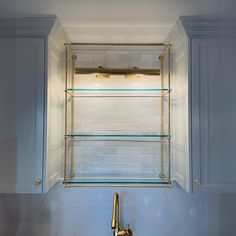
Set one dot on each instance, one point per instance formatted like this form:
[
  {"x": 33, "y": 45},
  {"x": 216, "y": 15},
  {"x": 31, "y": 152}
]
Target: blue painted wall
[{"x": 87, "y": 211}]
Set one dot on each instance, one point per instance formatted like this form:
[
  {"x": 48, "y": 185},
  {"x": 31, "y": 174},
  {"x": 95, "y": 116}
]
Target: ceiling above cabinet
[{"x": 116, "y": 21}]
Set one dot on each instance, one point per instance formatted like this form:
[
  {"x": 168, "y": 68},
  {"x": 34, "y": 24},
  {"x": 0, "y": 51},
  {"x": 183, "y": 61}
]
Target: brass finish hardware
[
  {"x": 115, "y": 212},
  {"x": 68, "y": 47},
  {"x": 197, "y": 182},
  {"x": 169, "y": 135},
  {"x": 115, "y": 219},
  {"x": 132, "y": 76},
  {"x": 37, "y": 181},
  {"x": 102, "y": 76},
  {"x": 161, "y": 175},
  {"x": 161, "y": 58},
  {"x": 116, "y": 71},
  {"x": 66, "y": 110},
  {"x": 73, "y": 58}
]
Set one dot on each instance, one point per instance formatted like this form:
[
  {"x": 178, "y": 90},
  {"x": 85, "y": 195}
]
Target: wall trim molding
[
  {"x": 208, "y": 27},
  {"x": 36, "y": 26}
]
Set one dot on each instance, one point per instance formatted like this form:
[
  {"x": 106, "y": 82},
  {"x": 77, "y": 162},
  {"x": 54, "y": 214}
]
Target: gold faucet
[{"x": 115, "y": 219}]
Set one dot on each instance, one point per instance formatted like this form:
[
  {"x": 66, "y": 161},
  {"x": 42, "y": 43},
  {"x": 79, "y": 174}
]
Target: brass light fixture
[
  {"x": 116, "y": 71},
  {"x": 129, "y": 73}
]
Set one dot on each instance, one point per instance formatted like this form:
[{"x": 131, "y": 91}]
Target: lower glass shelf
[
  {"x": 114, "y": 182},
  {"x": 113, "y": 92}
]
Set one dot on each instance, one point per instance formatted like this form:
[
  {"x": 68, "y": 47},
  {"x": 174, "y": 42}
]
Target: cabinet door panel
[
  {"x": 180, "y": 112},
  {"x": 214, "y": 129},
  {"x": 22, "y": 112}
]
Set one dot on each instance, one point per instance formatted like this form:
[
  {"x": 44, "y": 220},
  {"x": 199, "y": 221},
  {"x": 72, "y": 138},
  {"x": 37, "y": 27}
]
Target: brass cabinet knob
[
  {"x": 197, "y": 181},
  {"x": 37, "y": 181}
]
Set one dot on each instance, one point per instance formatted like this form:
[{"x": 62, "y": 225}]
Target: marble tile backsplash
[{"x": 119, "y": 58}]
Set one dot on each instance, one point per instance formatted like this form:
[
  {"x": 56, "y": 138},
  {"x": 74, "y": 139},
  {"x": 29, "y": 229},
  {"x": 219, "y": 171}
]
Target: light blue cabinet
[
  {"x": 213, "y": 97},
  {"x": 203, "y": 64},
  {"x": 22, "y": 114},
  {"x": 31, "y": 82}
]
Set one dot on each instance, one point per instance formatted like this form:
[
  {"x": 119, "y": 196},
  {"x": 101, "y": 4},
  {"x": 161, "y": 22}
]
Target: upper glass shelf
[
  {"x": 118, "y": 135},
  {"x": 120, "y": 91}
]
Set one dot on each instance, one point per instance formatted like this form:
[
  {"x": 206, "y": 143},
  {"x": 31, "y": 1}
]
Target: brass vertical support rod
[
  {"x": 73, "y": 58},
  {"x": 66, "y": 109},
  {"x": 169, "y": 151},
  {"x": 161, "y": 175}
]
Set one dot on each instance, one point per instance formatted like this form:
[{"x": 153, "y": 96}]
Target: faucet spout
[
  {"x": 115, "y": 212},
  {"x": 115, "y": 219}
]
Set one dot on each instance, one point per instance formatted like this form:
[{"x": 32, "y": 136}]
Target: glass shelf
[
  {"x": 120, "y": 135},
  {"x": 118, "y": 89},
  {"x": 106, "y": 91},
  {"x": 123, "y": 182}
]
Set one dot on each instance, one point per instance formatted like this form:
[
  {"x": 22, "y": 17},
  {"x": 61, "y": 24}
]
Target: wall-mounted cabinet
[
  {"x": 213, "y": 140},
  {"x": 32, "y": 78},
  {"x": 203, "y": 72},
  {"x": 32, "y": 104}
]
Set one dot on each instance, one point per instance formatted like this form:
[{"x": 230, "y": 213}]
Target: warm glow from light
[
  {"x": 132, "y": 76},
  {"x": 102, "y": 76}
]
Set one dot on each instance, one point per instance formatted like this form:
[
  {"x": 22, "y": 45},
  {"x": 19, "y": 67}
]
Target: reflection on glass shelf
[{"x": 119, "y": 135}]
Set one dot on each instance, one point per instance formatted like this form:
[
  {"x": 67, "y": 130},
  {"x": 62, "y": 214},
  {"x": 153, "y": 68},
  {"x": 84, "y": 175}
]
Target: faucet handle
[
  {"x": 127, "y": 226},
  {"x": 128, "y": 230}
]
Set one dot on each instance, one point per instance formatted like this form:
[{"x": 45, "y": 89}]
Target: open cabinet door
[
  {"x": 180, "y": 122},
  {"x": 55, "y": 114}
]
